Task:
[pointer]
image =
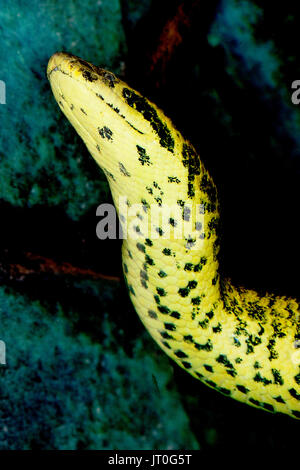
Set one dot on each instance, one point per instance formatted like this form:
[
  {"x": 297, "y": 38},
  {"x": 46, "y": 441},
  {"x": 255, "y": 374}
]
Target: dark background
[{"x": 81, "y": 371}]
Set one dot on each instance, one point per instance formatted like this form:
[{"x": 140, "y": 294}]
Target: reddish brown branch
[
  {"x": 35, "y": 265},
  {"x": 171, "y": 36}
]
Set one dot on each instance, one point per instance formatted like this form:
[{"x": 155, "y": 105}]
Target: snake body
[{"x": 240, "y": 342}]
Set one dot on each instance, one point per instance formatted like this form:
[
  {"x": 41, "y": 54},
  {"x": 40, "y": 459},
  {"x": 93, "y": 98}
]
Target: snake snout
[{"x": 56, "y": 61}]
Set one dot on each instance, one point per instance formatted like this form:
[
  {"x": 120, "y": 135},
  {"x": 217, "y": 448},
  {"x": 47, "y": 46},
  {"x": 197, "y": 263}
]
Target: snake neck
[
  {"x": 241, "y": 342},
  {"x": 170, "y": 256}
]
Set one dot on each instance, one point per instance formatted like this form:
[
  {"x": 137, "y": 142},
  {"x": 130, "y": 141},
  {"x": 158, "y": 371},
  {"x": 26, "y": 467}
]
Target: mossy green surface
[
  {"x": 42, "y": 160},
  {"x": 63, "y": 389},
  {"x": 259, "y": 44},
  {"x": 69, "y": 381},
  {"x": 88, "y": 376}
]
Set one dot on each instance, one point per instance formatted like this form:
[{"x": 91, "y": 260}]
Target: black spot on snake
[
  {"x": 89, "y": 76},
  {"x": 105, "y": 133},
  {"x": 123, "y": 170},
  {"x": 150, "y": 114}
]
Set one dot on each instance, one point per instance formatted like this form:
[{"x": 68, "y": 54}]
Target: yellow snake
[{"x": 240, "y": 342}]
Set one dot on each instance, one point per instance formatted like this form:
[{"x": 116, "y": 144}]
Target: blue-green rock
[
  {"x": 62, "y": 389},
  {"x": 42, "y": 160}
]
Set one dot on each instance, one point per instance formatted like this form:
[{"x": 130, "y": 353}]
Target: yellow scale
[{"x": 237, "y": 341}]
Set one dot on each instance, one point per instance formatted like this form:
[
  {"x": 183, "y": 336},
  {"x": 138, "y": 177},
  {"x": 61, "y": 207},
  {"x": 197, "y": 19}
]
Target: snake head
[{"x": 113, "y": 119}]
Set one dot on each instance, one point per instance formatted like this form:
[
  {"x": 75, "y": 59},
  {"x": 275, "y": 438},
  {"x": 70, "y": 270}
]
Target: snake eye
[{"x": 89, "y": 76}]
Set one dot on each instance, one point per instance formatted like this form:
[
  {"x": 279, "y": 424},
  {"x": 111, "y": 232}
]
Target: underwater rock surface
[
  {"x": 81, "y": 373},
  {"x": 42, "y": 161},
  {"x": 62, "y": 387}
]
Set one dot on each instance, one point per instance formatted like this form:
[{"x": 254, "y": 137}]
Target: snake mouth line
[
  {"x": 54, "y": 64},
  {"x": 72, "y": 65},
  {"x": 69, "y": 65}
]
